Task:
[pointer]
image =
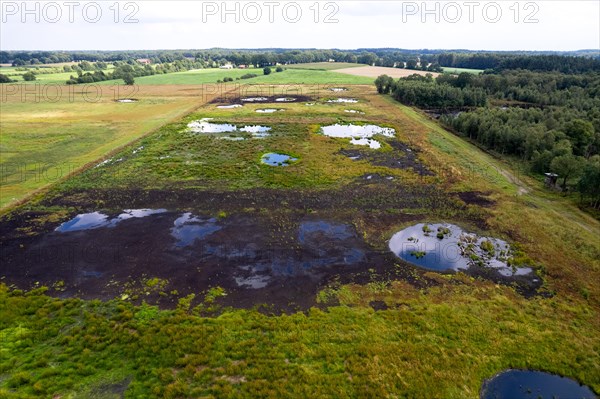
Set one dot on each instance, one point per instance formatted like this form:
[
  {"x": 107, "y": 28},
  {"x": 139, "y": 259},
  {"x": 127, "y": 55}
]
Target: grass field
[
  {"x": 289, "y": 76},
  {"x": 456, "y": 71},
  {"x": 203, "y": 76},
  {"x": 375, "y": 71},
  {"x": 438, "y": 335},
  {"x": 44, "y": 140}
]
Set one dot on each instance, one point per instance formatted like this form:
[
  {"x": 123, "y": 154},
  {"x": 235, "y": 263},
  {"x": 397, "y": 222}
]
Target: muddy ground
[
  {"x": 402, "y": 156},
  {"x": 264, "y": 247}
]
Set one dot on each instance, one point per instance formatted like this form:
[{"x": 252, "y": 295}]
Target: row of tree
[
  {"x": 568, "y": 62},
  {"x": 549, "y": 120}
]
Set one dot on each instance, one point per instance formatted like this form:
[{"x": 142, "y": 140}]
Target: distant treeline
[
  {"x": 569, "y": 62},
  {"x": 547, "y": 119}
]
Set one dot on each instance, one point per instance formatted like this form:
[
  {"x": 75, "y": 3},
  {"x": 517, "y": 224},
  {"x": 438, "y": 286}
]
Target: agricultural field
[
  {"x": 53, "y": 131},
  {"x": 375, "y": 71},
  {"x": 242, "y": 247}
]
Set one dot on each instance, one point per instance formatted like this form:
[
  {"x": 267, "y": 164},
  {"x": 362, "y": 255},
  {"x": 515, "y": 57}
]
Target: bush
[
  {"x": 29, "y": 76},
  {"x": 249, "y": 76},
  {"x": 128, "y": 79},
  {"x": 267, "y": 71},
  {"x": 4, "y": 79},
  {"x": 279, "y": 69}
]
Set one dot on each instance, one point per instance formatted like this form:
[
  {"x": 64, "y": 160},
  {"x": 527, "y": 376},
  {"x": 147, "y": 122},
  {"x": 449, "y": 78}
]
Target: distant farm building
[
  {"x": 145, "y": 61},
  {"x": 226, "y": 66},
  {"x": 242, "y": 66}
]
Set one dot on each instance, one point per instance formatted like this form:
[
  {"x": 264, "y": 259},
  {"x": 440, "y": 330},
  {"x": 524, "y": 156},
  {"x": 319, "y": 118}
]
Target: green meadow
[{"x": 439, "y": 335}]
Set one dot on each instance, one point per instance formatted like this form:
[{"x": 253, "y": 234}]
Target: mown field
[
  {"x": 390, "y": 330},
  {"x": 49, "y": 133}
]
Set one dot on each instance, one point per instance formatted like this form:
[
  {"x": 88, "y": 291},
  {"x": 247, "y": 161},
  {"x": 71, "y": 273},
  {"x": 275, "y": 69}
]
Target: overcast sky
[{"x": 477, "y": 25}]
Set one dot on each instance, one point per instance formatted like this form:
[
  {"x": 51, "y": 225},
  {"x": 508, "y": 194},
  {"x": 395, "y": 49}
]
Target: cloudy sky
[{"x": 346, "y": 24}]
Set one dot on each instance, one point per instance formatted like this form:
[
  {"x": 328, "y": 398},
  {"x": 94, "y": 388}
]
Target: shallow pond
[
  {"x": 204, "y": 126},
  {"x": 127, "y": 100},
  {"x": 338, "y": 89},
  {"x": 360, "y": 134},
  {"x": 275, "y": 159},
  {"x": 230, "y": 106},
  {"x": 374, "y": 144},
  {"x": 285, "y": 99},
  {"x": 188, "y": 228},
  {"x": 343, "y": 100},
  {"x": 353, "y": 111},
  {"x": 526, "y": 384},
  {"x": 447, "y": 247},
  {"x": 268, "y": 110},
  {"x": 254, "y": 99},
  {"x": 94, "y": 220},
  {"x": 356, "y": 131}
]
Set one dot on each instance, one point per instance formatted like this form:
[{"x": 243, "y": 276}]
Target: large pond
[
  {"x": 360, "y": 134},
  {"x": 526, "y": 384},
  {"x": 447, "y": 247}
]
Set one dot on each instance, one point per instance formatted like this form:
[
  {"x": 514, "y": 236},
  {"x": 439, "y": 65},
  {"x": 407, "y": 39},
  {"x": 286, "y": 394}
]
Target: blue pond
[
  {"x": 275, "y": 159},
  {"x": 525, "y": 384},
  {"x": 447, "y": 247}
]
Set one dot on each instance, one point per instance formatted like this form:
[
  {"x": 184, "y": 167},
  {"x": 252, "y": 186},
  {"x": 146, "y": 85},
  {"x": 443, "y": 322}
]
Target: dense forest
[{"x": 549, "y": 120}]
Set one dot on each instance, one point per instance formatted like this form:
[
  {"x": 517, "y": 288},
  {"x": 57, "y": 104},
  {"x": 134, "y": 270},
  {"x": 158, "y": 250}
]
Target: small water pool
[
  {"x": 230, "y": 106},
  {"x": 275, "y": 159},
  {"x": 527, "y": 384},
  {"x": 343, "y": 100}
]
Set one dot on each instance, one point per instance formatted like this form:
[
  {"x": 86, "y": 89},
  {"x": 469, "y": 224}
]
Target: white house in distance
[{"x": 226, "y": 66}]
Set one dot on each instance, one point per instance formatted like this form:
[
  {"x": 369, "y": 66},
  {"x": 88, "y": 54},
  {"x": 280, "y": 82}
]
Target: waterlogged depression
[
  {"x": 275, "y": 159},
  {"x": 205, "y": 126},
  {"x": 447, "y": 247},
  {"x": 528, "y": 384},
  {"x": 94, "y": 220},
  {"x": 96, "y": 254},
  {"x": 359, "y": 134}
]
